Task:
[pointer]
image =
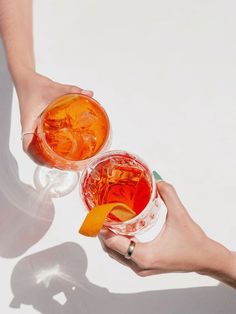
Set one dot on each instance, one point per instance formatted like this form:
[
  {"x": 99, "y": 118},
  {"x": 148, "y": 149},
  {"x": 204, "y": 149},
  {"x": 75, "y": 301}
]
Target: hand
[
  {"x": 34, "y": 93},
  {"x": 181, "y": 247}
]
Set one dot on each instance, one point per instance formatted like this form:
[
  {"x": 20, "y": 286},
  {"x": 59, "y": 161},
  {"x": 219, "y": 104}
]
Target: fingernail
[{"x": 157, "y": 176}]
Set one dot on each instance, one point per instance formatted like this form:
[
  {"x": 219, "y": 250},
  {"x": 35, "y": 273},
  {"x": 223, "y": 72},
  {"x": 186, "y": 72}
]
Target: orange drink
[
  {"x": 71, "y": 130},
  {"x": 122, "y": 178}
]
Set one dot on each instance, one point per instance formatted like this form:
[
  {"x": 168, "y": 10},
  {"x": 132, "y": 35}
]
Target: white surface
[{"x": 165, "y": 72}]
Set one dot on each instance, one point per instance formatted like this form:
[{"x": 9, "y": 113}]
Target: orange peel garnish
[{"x": 95, "y": 219}]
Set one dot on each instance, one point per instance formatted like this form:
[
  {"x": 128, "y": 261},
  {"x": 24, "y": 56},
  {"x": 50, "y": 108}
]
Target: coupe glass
[{"x": 70, "y": 132}]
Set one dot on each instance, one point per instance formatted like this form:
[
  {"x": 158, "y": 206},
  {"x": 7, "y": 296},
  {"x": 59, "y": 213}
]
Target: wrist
[
  {"x": 219, "y": 263},
  {"x": 228, "y": 276},
  {"x": 21, "y": 74}
]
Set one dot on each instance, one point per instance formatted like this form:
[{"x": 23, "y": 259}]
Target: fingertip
[
  {"x": 76, "y": 90},
  {"x": 87, "y": 92},
  {"x": 102, "y": 232},
  {"x": 105, "y": 233}
]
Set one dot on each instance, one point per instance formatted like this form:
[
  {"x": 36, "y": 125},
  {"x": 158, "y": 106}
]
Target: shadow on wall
[
  {"x": 25, "y": 216},
  {"x": 54, "y": 281}
]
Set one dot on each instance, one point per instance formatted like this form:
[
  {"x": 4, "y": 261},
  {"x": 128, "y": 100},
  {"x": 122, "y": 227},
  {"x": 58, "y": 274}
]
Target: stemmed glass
[{"x": 70, "y": 132}]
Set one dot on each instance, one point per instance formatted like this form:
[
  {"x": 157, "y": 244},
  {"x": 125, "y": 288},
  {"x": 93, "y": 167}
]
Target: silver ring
[{"x": 130, "y": 250}]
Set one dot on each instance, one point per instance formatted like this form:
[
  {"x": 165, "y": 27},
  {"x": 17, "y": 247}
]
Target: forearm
[
  {"x": 220, "y": 264},
  {"x": 16, "y": 32}
]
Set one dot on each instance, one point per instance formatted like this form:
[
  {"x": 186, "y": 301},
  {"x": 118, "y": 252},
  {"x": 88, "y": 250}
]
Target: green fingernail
[{"x": 157, "y": 176}]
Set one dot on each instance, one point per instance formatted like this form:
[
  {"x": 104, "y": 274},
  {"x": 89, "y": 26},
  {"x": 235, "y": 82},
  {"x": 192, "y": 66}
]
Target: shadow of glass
[
  {"x": 25, "y": 215},
  {"x": 54, "y": 281}
]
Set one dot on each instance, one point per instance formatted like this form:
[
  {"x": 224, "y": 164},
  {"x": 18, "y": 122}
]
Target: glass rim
[
  {"x": 95, "y": 162},
  {"x": 41, "y": 133}
]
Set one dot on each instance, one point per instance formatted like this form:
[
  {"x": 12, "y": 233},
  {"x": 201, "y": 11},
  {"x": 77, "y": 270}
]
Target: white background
[{"x": 165, "y": 72}]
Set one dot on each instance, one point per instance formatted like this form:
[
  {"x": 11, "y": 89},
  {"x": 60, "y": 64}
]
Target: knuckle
[
  {"x": 111, "y": 244},
  {"x": 75, "y": 89}
]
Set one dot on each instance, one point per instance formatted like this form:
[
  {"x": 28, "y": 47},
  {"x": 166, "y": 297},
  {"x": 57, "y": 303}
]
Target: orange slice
[{"x": 95, "y": 219}]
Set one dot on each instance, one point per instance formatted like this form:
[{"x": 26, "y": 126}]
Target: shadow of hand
[{"x": 54, "y": 281}]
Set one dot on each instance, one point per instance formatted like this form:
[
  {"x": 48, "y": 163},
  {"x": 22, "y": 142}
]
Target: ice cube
[
  {"x": 86, "y": 119},
  {"x": 95, "y": 175},
  {"x": 62, "y": 142},
  {"x": 73, "y": 115},
  {"x": 55, "y": 120},
  {"x": 89, "y": 140}
]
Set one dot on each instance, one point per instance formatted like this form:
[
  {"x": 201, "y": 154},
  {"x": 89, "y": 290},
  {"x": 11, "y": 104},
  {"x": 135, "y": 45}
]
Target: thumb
[{"x": 169, "y": 196}]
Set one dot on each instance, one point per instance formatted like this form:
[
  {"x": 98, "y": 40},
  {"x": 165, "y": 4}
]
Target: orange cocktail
[
  {"x": 122, "y": 178},
  {"x": 72, "y": 129}
]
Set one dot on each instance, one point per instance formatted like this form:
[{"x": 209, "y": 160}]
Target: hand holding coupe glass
[{"x": 35, "y": 92}]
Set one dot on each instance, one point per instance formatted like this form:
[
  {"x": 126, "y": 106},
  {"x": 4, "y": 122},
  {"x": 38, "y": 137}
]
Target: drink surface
[
  {"x": 72, "y": 128},
  {"x": 120, "y": 178},
  {"x": 75, "y": 127}
]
